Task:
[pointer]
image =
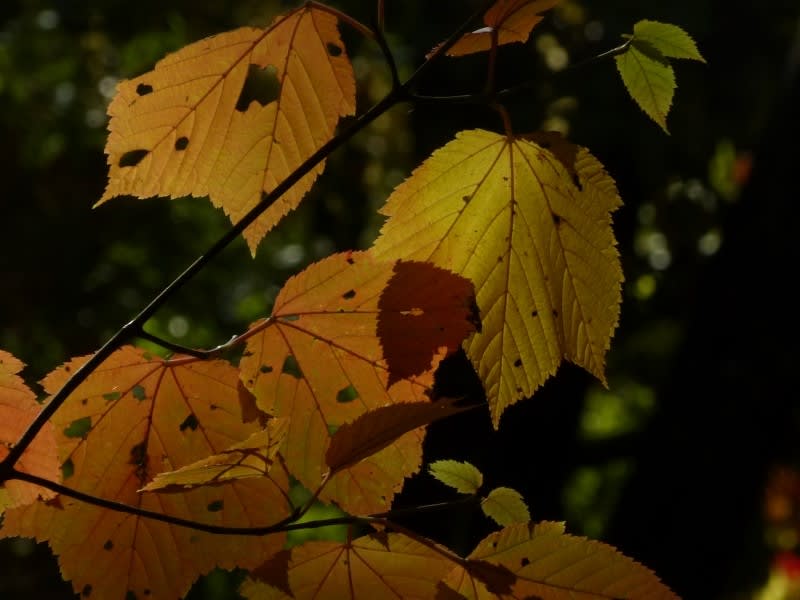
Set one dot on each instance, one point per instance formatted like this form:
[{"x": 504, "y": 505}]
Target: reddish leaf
[
  {"x": 18, "y": 408},
  {"x": 132, "y": 418},
  {"x": 376, "y": 429},
  {"x": 318, "y": 360}
]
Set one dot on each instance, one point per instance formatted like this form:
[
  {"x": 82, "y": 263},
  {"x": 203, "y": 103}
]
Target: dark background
[{"x": 687, "y": 463}]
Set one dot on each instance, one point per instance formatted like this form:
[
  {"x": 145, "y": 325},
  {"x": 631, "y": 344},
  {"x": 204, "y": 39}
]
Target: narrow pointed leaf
[
  {"x": 464, "y": 477},
  {"x": 513, "y": 21},
  {"x": 374, "y": 430},
  {"x": 505, "y": 506},
  {"x": 377, "y": 566},
  {"x": 670, "y": 40},
  {"x": 533, "y": 233},
  {"x": 649, "y": 79},
  {"x": 541, "y": 561},
  {"x": 144, "y": 416},
  {"x": 231, "y": 116},
  {"x": 18, "y": 409},
  {"x": 253, "y": 457},
  {"x": 321, "y": 360}
]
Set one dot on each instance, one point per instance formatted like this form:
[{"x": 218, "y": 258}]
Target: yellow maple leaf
[
  {"x": 531, "y": 228},
  {"x": 231, "y": 116}
]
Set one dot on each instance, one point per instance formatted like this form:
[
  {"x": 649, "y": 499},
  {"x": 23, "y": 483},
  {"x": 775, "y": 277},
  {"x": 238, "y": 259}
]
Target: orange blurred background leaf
[
  {"x": 133, "y": 417},
  {"x": 18, "y": 408},
  {"x": 231, "y": 116},
  {"x": 319, "y": 361}
]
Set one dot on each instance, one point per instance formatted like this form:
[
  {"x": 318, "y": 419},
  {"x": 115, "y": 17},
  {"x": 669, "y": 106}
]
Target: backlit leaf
[
  {"x": 505, "y": 506},
  {"x": 376, "y": 429},
  {"x": 319, "y": 360},
  {"x": 541, "y": 561},
  {"x": 18, "y": 408},
  {"x": 377, "y": 566},
  {"x": 463, "y": 476},
  {"x": 534, "y": 235},
  {"x": 231, "y": 116},
  {"x": 513, "y": 21},
  {"x": 147, "y": 415},
  {"x": 645, "y": 68},
  {"x": 253, "y": 457}
]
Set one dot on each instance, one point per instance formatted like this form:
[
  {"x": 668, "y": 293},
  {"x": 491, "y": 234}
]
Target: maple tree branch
[{"x": 172, "y": 346}]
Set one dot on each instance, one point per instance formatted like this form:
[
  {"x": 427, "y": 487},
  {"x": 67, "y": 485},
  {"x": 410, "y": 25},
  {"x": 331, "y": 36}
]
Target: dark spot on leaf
[
  {"x": 505, "y": 178},
  {"x": 215, "y": 506},
  {"x": 466, "y": 199},
  {"x": 524, "y": 562},
  {"x": 498, "y": 579},
  {"x": 350, "y": 260},
  {"x": 518, "y": 362},
  {"x": 189, "y": 422},
  {"x": 519, "y": 390},
  {"x": 332, "y": 429},
  {"x": 349, "y": 294},
  {"x": 260, "y": 85},
  {"x": 79, "y": 428},
  {"x": 67, "y": 369},
  {"x": 291, "y": 367},
  {"x": 535, "y": 313},
  {"x": 139, "y": 393},
  {"x": 146, "y": 591},
  {"x": 556, "y": 219},
  {"x": 87, "y": 590},
  {"x": 139, "y": 460},
  {"x": 85, "y": 401},
  {"x": 143, "y": 89},
  {"x": 265, "y": 369},
  {"x": 130, "y": 595},
  {"x": 67, "y": 469},
  {"x": 112, "y": 396},
  {"x": 181, "y": 143},
  {"x": 132, "y": 157},
  {"x": 213, "y": 407},
  {"x": 555, "y": 313},
  {"x": 499, "y": 259},
  {"x": 333, "y": 49},
  {"x": 108, "y": 545},
  {"x": 289, "y": 318},
  {"x": 347, "y": 394}
]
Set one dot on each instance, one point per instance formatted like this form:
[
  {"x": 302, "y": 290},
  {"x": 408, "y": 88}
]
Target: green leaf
[
  {"x": 463, "y": 476},
  {"x": 505, "y": 506},
  {"x": 649, "y": 79},
  {"x": 670, "y": 40}
]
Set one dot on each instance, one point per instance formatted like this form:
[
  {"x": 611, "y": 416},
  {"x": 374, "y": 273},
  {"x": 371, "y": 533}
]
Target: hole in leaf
[
  {"x": 181, "y": 143},
  {"x": 112, "y": 396},
  {"x": 67, "y": 469},
  {"x": 518, "y": 362},
  {"x": 139, "y": 393},
  {"x": 215, "y": 506},
  {"x": 556, "y": 219},
  {"x": 291, "y": 367},
  {"x": 79, "y": 428},
  {"x": 143, "y": 89},
  {"x": 332, "y": 429},
  {"x": 108, "y": 545},
  {"x": 139, "y": 455},
  {"x": 524, "y": 562},
  {"x": 130, "y": 595},
  {"x": 535, "y": 313},
  {"x": 349, "y": 294},
  {"x": 347, "y": 394},
  {"x": 132, "y": 157},
  {"x": 265, "y": 369},
  {"x": 189, "y": 422},
  {"x": 555, "y": 313},
  {"x": 333, "y": 49},
  {"x": 289, "y": 318},
  {"x": 260, "y": 85}
]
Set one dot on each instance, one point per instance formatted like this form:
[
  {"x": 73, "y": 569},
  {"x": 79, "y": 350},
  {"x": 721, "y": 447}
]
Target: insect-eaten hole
[
  {"x": 143, "y": 89},
  {"x": 132, "y": 157},
  {"x": 181, "y": 143},
  {"x": 261, "y": 85},
  {"x": 334, "y": 49}
]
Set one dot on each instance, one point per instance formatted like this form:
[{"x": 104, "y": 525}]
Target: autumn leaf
[
  {"x": 462, "y": 476},
  {"x": 231, "y": 116},
  {"x": 377, "y": 566},
  {"x": 319, "y": 361},
  {"x": 378, "y": 428},
  {"x": 505, "y": 506},
  {"x": 131, "y": 418},
  {"x": 645, "y": 69},
  {"x": 512, "y": 20},
  {"x": 541, "y": 561},
  {"x": 253, "y": 457},
  {"x": 533, "y": 233},
  {"x": 18, "y": 409}
]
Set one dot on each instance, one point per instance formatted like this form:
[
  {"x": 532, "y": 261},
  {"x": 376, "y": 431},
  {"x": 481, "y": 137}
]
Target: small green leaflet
[
  {"x": 462, "y": 476},
  {"x": 643, "y": 63},
  {"x": 505, "y": 506}
]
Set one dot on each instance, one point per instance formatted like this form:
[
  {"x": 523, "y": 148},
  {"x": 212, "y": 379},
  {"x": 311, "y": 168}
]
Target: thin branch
[
  {"x": 172, "y": 346},
  {"x": 607, "y": 54}
]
